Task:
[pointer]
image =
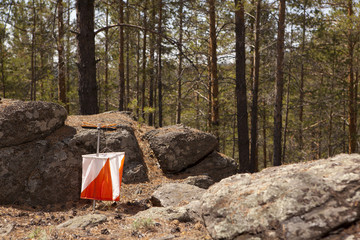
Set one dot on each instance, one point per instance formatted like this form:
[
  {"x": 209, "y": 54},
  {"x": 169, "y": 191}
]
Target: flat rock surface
[
  {"x": 176, "y": 194},
  {"x": 83, "y": 221},
  {"x": 298, "y": 201}
]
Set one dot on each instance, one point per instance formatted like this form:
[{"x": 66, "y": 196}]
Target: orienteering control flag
[{"x": 101, "y": 176}]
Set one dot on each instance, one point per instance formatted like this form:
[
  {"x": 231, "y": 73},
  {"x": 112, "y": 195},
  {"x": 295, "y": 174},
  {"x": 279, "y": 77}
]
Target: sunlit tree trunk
[
  {"x": 86, "y": 53},
  {"x": 255, "y": 90},
  {"x": 279, "y": 85},
  {"x": 241, "y": 99}
]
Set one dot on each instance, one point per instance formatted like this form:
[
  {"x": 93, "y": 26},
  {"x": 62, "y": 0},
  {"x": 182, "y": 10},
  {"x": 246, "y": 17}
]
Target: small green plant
[
  {"x": 38, "y": 233},
  {"x": 144, "y": 224}
]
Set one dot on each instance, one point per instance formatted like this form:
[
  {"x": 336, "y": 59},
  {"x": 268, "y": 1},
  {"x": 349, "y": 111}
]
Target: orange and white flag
[{"x": 101, "y": 176}]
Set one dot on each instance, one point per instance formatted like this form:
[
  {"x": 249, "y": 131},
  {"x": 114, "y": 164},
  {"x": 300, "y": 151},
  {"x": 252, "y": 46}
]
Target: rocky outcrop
[
  {"x": 48, "y": 170},
  {"x": 122, "y": 140},
  {"x": 22, "y": 122},
  {"x": 175, "y": 194},
  {"x": 299, "y": 201},
  {"x": 216, "y": 165},
  {"x": 178, "y": 147}
]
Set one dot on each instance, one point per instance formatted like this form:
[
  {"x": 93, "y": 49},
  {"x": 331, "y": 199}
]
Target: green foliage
[
  {"x": 38, "y": 234},
  {"x": 146, "y": 224}
]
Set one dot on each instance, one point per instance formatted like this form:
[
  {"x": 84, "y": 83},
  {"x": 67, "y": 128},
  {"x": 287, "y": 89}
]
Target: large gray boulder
[
  {"x": 22, "y": 122},
  {"x": 216, "y": 165},
  {"x": 48, "y": 170},
  {"x": 121, "y": 140},
  {"x": 299, "y": 201},
  {"x": 176, "y": 194},
  {"x": 40, "y": 173},
  {"x": 178, "y": 147}
]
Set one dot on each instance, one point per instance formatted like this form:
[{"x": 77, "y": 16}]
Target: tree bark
[
  {"x": 255, "y": 89},
  {"x": 2, "y": 60},
  {"x": 33, "y": 56},
  {"x": 213, "y": 70},
  {"x": 264, "y": 134},
  {"x": 86, "y": 54},
  {"x": 180, "y": 69},
  {"x": 159, "y": 80},
  {"x": 138, "y": 72},
  {"x": 302, "y": 76},
  {"x": 241, "y": 99},
  {"x": 279, "y": 85},
  {"x": 127, "y": 77},
  {"x": 143, "y": 84},
  {"x": 60, "y": 48},
  {"x": 121, "y": 59},
  {"x": 152, "y": 64},
  {"x": 351, "y": 85},
  {"x": 106, "y": 83}
]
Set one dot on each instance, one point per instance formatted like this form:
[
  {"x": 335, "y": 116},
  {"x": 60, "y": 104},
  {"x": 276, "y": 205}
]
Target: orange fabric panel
[{"x": 101, "y": 187}]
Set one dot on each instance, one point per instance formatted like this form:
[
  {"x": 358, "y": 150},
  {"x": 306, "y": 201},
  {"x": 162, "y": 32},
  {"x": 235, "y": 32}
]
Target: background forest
[{"x": 217, "y": 65}]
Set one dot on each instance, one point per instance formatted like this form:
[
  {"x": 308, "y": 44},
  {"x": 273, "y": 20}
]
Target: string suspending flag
[{"x": 102, "y": 175}]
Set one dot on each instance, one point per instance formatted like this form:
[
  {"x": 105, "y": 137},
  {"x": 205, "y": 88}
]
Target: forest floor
[{"x": 39, "y": 222}]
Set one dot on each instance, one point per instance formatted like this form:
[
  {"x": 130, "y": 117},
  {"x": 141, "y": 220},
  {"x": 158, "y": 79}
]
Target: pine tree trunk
[
  {"x": 2, "y": 61},
  {"x": 152, "y": 64},
  {"x": 127, "y": 77},
  {"x": 106, "y": 83},
  {"x": 264, "y": 134},
  {"x": 213, "y": 70},
  {"x": 143, "y": 84},
  {"x": 138, "y": 71},
  {"x": 279, "y": 85},
  {"x": 33, "y": 56},
  {"x": 180, "y": 69},
  {"x": 60, "y": 48},
  {"x": 86, "y": 53},
  {"x": 68, "y": 57},
  {"x": 302, "y": 76},
  {"x": 159, "y": 80},
  {"x": 286, "y": 113},
  {"x": 351, "y": 86},
  {"x": 121, "y": 59},
  {"x": 255, "y": 89},
  {"x": 241, "y": 99},
  {"x": 287, "y": 99}
]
